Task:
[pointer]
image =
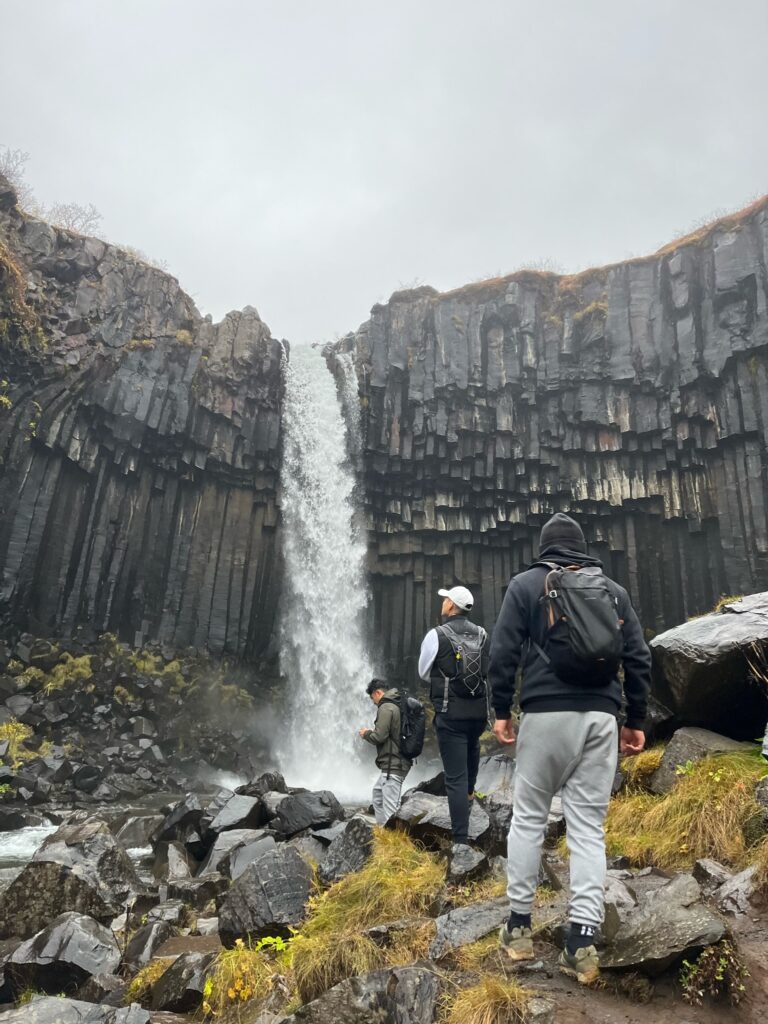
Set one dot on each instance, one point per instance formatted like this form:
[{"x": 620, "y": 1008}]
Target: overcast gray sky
[{"x": 310, "y": 156}]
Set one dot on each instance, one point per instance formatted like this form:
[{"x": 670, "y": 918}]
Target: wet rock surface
[
  {"x": 407, "y": 995},
  {"x": 63, "y": 955},
  {"x": 180, "y": 988},
  {"x": 51, "y": 1010},
  {"x": 689, "y": 744},
  {"x": 268, "y": 898},
  {"x": 348, "y": 851},
  {"x": 300, "y": 811},
  {"x": 467, "y": 924},
  {"x": 427, "y": 818}
]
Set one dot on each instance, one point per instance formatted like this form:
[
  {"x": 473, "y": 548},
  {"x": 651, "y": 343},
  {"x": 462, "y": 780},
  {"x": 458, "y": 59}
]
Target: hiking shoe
[
  {"x": 583, "y": 965},
  {"x": 518, "y": 943}
]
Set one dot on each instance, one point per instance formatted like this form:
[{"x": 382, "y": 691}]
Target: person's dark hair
[{"x": 374, "y": 685}]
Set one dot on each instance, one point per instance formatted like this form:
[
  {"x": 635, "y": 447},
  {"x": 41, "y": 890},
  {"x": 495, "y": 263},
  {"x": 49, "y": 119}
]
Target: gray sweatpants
[
  {"x": 386, "y": 797},
  {"x": 576, "y": 752}
]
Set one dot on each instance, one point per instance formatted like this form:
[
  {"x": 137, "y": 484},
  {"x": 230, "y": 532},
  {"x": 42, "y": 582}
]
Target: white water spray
[{"x": 323, "y": 653}]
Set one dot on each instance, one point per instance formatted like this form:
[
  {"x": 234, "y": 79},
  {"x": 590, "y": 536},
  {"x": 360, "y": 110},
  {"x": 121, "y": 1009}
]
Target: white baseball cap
[{"x": 460, "y": 596}]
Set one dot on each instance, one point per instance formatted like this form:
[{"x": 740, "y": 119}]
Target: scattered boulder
[
  {"x": 701, "y": 674},
  {"x": 173, "y": 862},
  {"x": 620, "y": 904},
  {"x": 268, "y": 782},
  {"x": 496, "y": 783},
  {"x": 463, "y": 925},
  {"x": 171, "y": 911},
  {"x": 466, "y": 863},
  {"x": 734, "y": 896},
  {"x": 180, "y": 988},
  {"x": 239, "y": 812},
  {"x": 135, "y": 832},
  {"x": 80, "y": 868},
  {"x": 306, "y": 810},
  {"x": 348, "y": 852},
  {"x": 62, "y": 956},
  {"x": 198, "y": 892},
  {"x": 427, "y": 818},
  {"x": 407, "y": 995},
  {"x": 145, "y": 943},
  {"x": 710, "y": 874},
  {"x": 689, "y": 744},
  {"x": 102, "y": 988},
  {"x": 184, "y": 817},
  {"x": 52, "y": 1010},
  {"x": 268, "y": 898},
  {"x": 220, "y": 855},
  {"x": 669, "y": 923}
]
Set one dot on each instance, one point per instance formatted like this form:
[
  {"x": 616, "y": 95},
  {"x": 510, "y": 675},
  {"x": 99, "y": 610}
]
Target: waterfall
[{"x": 323, "y": 655}]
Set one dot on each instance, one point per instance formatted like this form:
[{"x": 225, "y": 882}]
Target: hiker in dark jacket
[
  {"x": 385, "y": 736},
  {"x": 460, "y": 699},
  {"x": 568, "y": 741}
]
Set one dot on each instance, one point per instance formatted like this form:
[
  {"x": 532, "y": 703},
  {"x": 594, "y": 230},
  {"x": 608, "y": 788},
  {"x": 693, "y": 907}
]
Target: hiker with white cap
[{"x": 454, "y": 660}]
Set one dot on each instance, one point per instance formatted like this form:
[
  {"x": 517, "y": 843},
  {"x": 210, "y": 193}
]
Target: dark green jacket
[{"x": 385, "y": 736}]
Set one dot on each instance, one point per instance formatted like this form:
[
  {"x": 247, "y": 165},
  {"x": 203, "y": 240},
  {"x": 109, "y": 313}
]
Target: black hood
[{"x": 562, "y": 541}]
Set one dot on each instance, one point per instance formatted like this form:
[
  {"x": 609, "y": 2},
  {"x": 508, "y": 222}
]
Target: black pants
[{"x": 459, "y": 743}]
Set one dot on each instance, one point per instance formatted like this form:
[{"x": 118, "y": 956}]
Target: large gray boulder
[
  {"x": 53, "y": 1010},
  {"x": 220, "y": 856},
  {"x": 64, "y": 955},
  {"x": 670, "y": 923},
  {"x": 180, "y": 988},
  {"x": 427, "y": 818},
  {"x": 689, "y": 744},
  {"x": 348, "y": 852},
  {"x": 269, "y": 898},
  {"x": 306, "y": 810},
  {"x": 463, "y": 925},
  {"x": 403, "y": 995},
  {"x": 81, "y": 868},
  {"x": 496, "y": 783},
  {"x": 701, "y": 670}
]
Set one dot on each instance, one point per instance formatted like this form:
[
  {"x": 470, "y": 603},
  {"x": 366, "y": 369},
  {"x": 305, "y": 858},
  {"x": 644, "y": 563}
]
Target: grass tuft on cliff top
[
  {"x": 711, "y": 812},
  {"x": 493, "y": 1000},
  {"x": 400, "y": 881}
]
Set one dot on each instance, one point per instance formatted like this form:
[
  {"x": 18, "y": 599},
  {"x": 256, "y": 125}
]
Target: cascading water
[{"x": 323, "y": 653}]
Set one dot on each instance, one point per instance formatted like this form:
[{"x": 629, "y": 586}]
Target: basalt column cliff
[
  {"x": 138, "y": 450},
  {"x": 634, "y": 396}
]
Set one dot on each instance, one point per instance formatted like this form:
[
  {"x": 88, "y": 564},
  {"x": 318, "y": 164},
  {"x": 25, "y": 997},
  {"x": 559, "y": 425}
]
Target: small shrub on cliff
[
  {"x": 493, "y": 1000},
  {"x": 69, "y": 671},
  {"x": 719, "y": 973},
  {"x": 15, "y": 733},
  {"x": 709, "y": 813},
  {"x": 401, "y": 880}
]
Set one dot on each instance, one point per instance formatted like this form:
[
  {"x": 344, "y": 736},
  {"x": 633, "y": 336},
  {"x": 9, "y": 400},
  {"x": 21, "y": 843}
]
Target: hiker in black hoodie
[{"x": 568, "y": 741}]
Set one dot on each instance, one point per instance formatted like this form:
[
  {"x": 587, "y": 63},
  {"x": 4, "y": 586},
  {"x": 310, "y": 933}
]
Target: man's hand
[
  {"x": 631, "y": 741},
  {"x": 363, "y": 732},
  {"x": 504, "y": 731}
]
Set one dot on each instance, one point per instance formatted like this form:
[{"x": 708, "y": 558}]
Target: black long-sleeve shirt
[{"x": 522, "y": 619}]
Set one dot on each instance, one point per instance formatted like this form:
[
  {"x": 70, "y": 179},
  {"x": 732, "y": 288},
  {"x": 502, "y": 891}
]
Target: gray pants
[
  {"x": 576, "y": 752},
  {"x": 765, "y": 742},
  {"x": 386, "y": 797}
]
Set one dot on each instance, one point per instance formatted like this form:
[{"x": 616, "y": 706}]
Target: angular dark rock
[
  {"x": 220, "y": 854},
  {"x": 185, "y": 815},
  {"x": 702, "y": 670},
  {"x": 198, "y": 892},
  {"x": 171, "y": 912},
  {"x": 173, "y": 862},
  {"x": 426, "y": 817},
  {"x": 81, "y": 868},
  {"x": 134, "y": 833},
  {"x": 180, "y": 988},
  {"x": 710, "y": 874},
  {"x": 735, "y": 895},
  {"x": 62, "y": 956},
  {"x": 52, "y": 1010},
  {"x": 467, "y": 924},
  {"x": 268, "y": 782},
  {"x": 348, "y": 852},
  {"x": 689, "y": 744},
  {"x": 465, "y": 864},
  {"x": 306, "y": 810},
  {"x": 268, "y": 898},
  {"x": 669, "y": 923},
  {"x": 405, "y": 995},
  {"x": 238, "y": 812},
  {"x": 102, "y": 987},
  {"x": 145, "y": 943}
]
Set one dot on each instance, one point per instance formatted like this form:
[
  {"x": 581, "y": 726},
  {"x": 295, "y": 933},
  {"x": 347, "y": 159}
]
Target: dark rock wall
[
  {"x": 633, "y": 396},
  {"x": 139, "y": 449}
]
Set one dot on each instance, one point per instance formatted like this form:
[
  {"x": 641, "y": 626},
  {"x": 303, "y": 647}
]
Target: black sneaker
[{"x": 583, "y": 965}]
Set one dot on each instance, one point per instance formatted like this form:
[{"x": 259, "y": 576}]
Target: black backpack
[
  {"x": 413, "y": 724},
  {"x": 584, "y": 641},
  {"x": 469, "y": 681}
]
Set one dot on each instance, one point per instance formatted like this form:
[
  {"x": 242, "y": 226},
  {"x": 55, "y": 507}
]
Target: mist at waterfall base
[{"x": 323, "y": 653}]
